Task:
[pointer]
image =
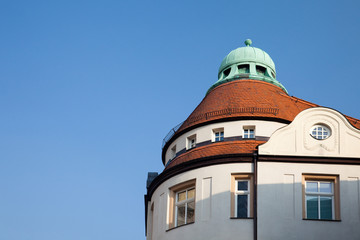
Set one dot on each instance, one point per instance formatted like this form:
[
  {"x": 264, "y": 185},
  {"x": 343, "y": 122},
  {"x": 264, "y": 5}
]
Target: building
[{"x": 252, "y": 162}]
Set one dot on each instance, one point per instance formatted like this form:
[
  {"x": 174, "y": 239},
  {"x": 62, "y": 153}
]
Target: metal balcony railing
[{"x": 220, "y": 113}]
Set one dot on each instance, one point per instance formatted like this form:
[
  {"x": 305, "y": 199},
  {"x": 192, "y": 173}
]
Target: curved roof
[
  {"x": 219, "y": 149},
  {"x": 246, "y": 99}
]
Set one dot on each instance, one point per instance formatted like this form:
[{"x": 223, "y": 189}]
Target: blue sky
[{"x": 88, "y": 90}]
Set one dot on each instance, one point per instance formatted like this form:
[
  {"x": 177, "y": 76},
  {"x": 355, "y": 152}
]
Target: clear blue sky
[{"x": 88, "y": 90}]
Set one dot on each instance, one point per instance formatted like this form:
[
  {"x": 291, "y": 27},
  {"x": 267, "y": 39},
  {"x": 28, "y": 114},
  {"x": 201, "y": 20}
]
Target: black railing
[
  {"x": 230, "y": 111},
  {"x": 222, "y": 112},
  {"x": 171, "y": 133}
]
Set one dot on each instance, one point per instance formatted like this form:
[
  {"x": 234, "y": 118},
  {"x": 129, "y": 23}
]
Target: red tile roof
[
  {"x": 217, "y": 149},
  {"x": 249, "y": 98},
  {"x": 242, "y": 98}
]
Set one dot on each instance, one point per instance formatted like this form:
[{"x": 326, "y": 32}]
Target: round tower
[{"x": 209, "y": 187}]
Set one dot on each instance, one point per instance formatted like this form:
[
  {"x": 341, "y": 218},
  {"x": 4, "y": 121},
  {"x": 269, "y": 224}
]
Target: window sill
[
  {"x": 241, "y": 218},
  {"x": 179, "y": 226},
  {"x": 322, "y": 220}
]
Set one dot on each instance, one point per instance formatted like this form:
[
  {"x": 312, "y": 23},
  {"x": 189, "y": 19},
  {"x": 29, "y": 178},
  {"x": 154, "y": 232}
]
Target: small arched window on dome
[
  {"x": 260, "y": 70},
  {"x": 227, "y": 72},
  {"x": 273, "y": 74},
  {"x": 243, "y": 68}
]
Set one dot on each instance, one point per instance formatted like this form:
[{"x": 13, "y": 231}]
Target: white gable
[{"x": 295, "y": 139}]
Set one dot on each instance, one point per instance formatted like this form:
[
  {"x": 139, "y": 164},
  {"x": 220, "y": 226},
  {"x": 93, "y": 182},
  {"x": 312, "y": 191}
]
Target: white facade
[
  {"x": 212, "y": 210},
  {"x": 280, "y": 207},
  {"x": 279, "y": 204},
  {"x": 253, "y": 163},
  {"x": 231, "y": 129}
]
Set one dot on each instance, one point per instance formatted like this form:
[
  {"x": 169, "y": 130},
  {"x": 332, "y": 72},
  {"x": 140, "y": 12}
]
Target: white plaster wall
[
  {"x": 231, "y": 129},
  {"x": 280, "y": 202},
  {"x": 212, "y": 210},
  {"x": 295, "y": 139}
]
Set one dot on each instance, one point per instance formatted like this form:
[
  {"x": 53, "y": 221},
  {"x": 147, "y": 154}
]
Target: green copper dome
[{"x": 247, "y": 63}]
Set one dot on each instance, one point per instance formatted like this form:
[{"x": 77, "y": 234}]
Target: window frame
[
  {"x": 319, "y": 134},
  {"x": 235, "y": 178},
  {"x": 320, "y": 178},
  {"x": 173, "y": 152},
  {"x": 221, "y": 136},
  {"x": 173, "y": 203},
  {"x": 247, "y": 133},
  {"x": 189, "y": 143}
]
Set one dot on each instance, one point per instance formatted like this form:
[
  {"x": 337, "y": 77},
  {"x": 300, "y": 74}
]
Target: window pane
[
  {"x": 325, "y": 187},
  {"x": 312, "y": 209},
  {"x": 311, "y": 186},
  {"x": 191, "y": 193},
  {"x": 325, "y": 208},
  {"x": 190, "y": 212},
  {"x": 242, "y": 206},
  {"x": 242, "y": 185},
  {"x": 181, "y": 196},
  {"x": 180, "y": 215}
]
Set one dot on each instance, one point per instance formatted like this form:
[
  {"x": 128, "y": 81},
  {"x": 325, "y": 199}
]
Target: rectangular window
[
  {"x": 182, "y": 204},
  {"x": 173, "y": 152},
  {"x": 321, "y": 197},
  {"x": 241, "y": 196},
  {"x": 191, "y": 142},
  {"x": 249, "y": 132},
  {"x": 218, "y": 135}
]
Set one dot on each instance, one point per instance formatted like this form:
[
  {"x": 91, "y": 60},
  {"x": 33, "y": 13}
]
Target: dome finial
[{"x": 248, "y": 42}]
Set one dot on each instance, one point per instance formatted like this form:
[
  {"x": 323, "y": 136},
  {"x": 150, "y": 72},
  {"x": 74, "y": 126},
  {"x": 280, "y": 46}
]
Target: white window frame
[
  {"x": 191, "y": 142},
  {"x": 319, "y": 194},
  {"x": 320, "y": 134},
  {"x": 173, "y": 202},
  {"x": 221, "y": 136},
  {"x": 242, "y": 192},
  {"x": 335, "y": 194},
  {"x": 247, "y": 132},
  {"x": 241, "y": 177},
  {"x": 184, "y": 202}
]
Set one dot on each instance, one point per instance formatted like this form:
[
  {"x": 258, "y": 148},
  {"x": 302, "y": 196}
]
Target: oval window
[{"x": 320, "y": 132}]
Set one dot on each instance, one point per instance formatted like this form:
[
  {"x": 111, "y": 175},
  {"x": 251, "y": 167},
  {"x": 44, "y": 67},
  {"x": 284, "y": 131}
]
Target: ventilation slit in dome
[
  {"x": 260, "y": 70},
  {"x": 227, "y": 72},
  {"x": 244, "y": 68}
]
